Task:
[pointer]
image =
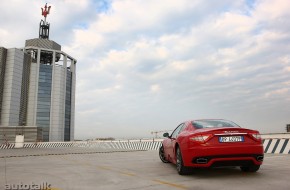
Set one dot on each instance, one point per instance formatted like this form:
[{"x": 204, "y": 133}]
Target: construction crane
[{"x": 156, "y": 132}]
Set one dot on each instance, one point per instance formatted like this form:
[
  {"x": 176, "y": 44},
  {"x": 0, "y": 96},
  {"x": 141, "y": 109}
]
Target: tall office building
[{"x": 37, "y": 90}]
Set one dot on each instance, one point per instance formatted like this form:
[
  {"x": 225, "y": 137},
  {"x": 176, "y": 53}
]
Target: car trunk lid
[{"x": 228, "y": 135}]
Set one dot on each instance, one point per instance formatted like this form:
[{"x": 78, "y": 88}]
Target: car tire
[
  {"x": 252, "y": 168},
  {"x": 181, "y": 169},
  {"x": 162, "y": 155}
]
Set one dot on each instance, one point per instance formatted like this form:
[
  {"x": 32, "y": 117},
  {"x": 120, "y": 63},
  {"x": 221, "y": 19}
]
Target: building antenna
[{"x": 44, "y": 26}]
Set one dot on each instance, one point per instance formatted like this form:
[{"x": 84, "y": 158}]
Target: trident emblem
[{"x": 45, "y": 11}]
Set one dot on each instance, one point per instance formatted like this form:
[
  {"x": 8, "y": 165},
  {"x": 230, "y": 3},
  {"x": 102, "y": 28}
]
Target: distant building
[
  {"x": 288, "y": 128},
  {"x": 37, "y": 90}
]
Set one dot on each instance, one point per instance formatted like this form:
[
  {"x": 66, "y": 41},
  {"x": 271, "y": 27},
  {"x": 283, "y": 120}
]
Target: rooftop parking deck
[{"x": 106, "y": 169}]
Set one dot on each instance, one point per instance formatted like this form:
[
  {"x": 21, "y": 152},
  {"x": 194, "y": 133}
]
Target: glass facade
[
  {"x": 24, "y": 90},
  {"x": 68, "y": 106},
  {"x": 44, "y": 100}
]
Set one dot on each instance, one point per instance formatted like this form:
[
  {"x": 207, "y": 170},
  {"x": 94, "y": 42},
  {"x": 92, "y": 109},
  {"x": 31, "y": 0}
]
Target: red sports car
[{"x": 212, "y": 143}]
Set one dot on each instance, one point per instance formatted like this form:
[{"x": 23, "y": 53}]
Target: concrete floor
[{"x": 69, "y": 169}]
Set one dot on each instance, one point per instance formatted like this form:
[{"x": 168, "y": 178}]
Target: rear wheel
[
  {"x": 181, "y": 169},
  {"x": 252, "y": 168},
  {"x": 162, "y": 155}
]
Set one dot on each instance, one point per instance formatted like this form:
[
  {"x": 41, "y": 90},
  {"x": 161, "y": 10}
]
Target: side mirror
[{"x": 166, "y": 135}]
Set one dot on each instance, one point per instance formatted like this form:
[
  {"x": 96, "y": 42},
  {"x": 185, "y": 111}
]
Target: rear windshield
[{"x": 200, "y": 124}]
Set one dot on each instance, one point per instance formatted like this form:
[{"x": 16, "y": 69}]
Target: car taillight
[
  {"x": 256, "y": 136},
  {"x": 200, "y": 138}
]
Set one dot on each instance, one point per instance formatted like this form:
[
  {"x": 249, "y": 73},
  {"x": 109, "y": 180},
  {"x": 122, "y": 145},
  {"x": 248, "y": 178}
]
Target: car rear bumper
[{"x": 223, "y": 156}]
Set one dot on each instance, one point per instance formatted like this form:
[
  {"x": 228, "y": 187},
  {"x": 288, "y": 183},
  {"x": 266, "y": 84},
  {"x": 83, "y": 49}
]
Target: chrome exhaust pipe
[
  {"x": 201, "y": 161},
  {"x": 260, "y": 158}
]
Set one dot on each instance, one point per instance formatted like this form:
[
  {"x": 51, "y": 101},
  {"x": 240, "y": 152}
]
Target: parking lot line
[{"x": 170, "y": 184}]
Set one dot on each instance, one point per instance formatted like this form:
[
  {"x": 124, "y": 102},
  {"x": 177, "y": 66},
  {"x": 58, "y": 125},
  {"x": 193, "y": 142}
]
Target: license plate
[{"x": 231, "y": 139}]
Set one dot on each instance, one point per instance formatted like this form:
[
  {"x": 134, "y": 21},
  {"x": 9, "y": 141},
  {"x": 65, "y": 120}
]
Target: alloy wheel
[{"x": 162, "y": 155}]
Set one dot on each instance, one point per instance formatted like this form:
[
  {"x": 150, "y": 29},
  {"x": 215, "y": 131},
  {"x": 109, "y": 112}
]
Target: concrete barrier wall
[
  {"x": 276, "y": 136},
  {"x": 131, "y": 145},
  {"x": 271, "y": 145},
  {"x": 276, "y": 146}
]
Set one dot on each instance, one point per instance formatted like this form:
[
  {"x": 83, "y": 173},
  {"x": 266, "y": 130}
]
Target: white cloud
[
  {"x": 279, "y": 92},
  {"x": 155, "y": 88},
  {"x": 270, "y": 10}
]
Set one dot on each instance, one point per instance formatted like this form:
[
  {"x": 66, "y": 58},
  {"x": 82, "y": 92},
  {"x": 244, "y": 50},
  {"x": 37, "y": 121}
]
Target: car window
[
  {"x": 177, "y": 130},
  {"x": 182, "y": 127},
  {"x": 200, "y": 124}
]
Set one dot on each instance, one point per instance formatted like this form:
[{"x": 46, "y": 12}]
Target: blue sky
[{"x": 149, "y": 65}]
